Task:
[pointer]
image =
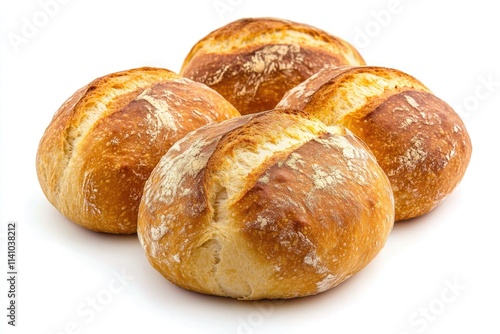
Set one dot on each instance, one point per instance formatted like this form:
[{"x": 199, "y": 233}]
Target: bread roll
[
  {"x": 252, "y": 62},
  {"x": 419, "y": 141},
  {"x": 101, "y": 145},
  {"x": 270, "y": 205}
]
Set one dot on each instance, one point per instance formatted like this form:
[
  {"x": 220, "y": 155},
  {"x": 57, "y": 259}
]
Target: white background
[{"x": 451, "y": 46}]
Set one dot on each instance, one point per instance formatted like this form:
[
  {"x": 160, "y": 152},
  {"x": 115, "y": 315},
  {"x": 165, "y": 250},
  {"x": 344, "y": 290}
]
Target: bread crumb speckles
[
  {"x": 174, "y": 170},
  {"x": 264, "y": 179},
  {"x": 262, "y": 222},
  {"x": 162, "y": 116},
  {"x": 165, "y": 102},
  {"x": 263, "y": 63},
  {"x": 313, "y": 260},
  {"x": 295, "y": 244},
  {"x": 355, "y": 159},
  {"x": 293, "y": 160},
  {"x": 414, "y": 155},
  {"x": 114, "y": 141},
  {"x": 326, "y": 283},
  {"x": 158, "y": 232},
  {"x": 411, "y": 101},
  {"x": 176, "y": 258},
  {"x": 415, "y": 115},
  {"x": 349, "y": 151},
  {"x": 400, "y": 109},
  {"x": 451, "y": 154},
  {"x": 407, "y": 122},
  {"x": 323, "y": 179},
  {"x": 217, "y": 76},
  {"x": 270, "y": 58}
]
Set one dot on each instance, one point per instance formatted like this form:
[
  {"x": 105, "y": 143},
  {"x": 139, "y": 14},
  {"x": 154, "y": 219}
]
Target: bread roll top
[
  {"x": 253, "y": 62},
  {"x": 271, "y": 205},
  {"x": 104, "y": 141}
]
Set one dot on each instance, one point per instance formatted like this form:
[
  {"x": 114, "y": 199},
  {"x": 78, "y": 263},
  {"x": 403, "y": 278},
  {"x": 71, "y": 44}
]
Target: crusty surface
[
  {"x": 253, "y": 62},
  {"x": 419, "y": 141},
  {"x": 269, "y": 205},
  {"x": 101, "y": 145}
]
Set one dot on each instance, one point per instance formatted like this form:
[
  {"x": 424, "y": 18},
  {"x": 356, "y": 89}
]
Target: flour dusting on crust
[{"x": 173, "y": 172}]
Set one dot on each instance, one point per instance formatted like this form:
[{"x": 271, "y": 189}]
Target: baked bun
[
  {"x": 101, "y": 145},
  {"x": 252, "y": 62},
  {"x": 419, "y": 141},
  {"x": 270, "y": 205}
]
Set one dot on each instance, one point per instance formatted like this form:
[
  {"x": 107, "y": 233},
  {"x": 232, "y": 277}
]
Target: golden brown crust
[
  {"x": 246, "y": 32},
  {"x": 419, "y": 141},
  {"x": 253, "y": 62},
  {"x": 102, "y": 144},
  {"x": 255, "y": 79},
  {"x": 286, "y": 207},
  {"x": 429, "y": 146}
]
